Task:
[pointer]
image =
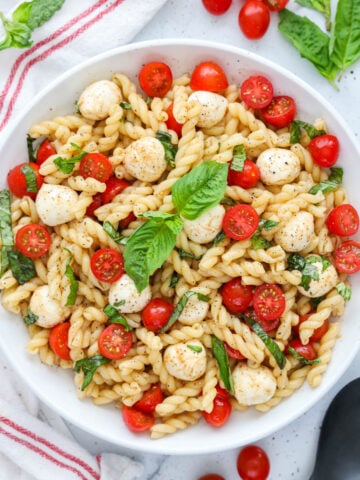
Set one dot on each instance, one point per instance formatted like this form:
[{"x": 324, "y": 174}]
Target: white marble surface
[{"x": 292, "y": 450}]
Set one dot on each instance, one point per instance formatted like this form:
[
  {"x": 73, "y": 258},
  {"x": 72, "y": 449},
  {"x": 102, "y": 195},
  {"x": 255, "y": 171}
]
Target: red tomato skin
[
  {"x": 208, "y": 76},
  {"x": 17, "y": 182},
  {"x": 220, "y": 413},
  {"x": 247, "y": 178},
  {"x": 156, "y": 314},
  {"x": 114, "y": 186},
  {"x": 151, "y": 397},
  {"x": 257, "y": 91},
  {"x": 96, "y": 165},
  {"x": 217, "y": 7},
  {"x": 280, "y": 112},
  {"x": 236, "y": 296},
  {"x": 94, "y": 205},
  {"x": 136, "y": 420},
  {"x": 318, "y": 332},
  {"x": 45, "y": 150},
  {"x": 171, "y": 122},
  {"x": 240, "y": 221},
  {"x": 155, "y": 79},
  {"x": 343, "y": 220},
  {"x": 269, "y": 301},
  {"x": 125, "y": 222},
  {"x": 307, "y": 351},
  {"x": 324, "y": 150},
  {"x": 253, "y": 463},
  {"x": 276, "y": 5},
  {"x": 347, "y": 257},
  {"x": 107, "y": 265},
  {"x": 114, "y": 341},
  {"x": 58, "y": 340},
  {"x": 33, "y": 240},
  {"x": 211, "y": 476},
  {"x": 254, "y": 19},
  {"x": 233, "y": 353}
]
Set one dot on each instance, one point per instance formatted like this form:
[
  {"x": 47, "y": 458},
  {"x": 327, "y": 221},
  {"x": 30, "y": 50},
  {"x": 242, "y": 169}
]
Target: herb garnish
[
  {"x": 6, "y": 233},
  {"x": 74, "y": 284},
  {"x": 170, "y": 149},
  {"x": 303, "y": 360},
  {"x": 22, "y": 267},
  {"x": 115, "y": 317},
  {"x": 222, "y": 359},
  {"x": 295, "y": 130},
  {"x": 239, "y": 157},
  {"x": 89, "y": 367},
  {"x": 331, "y": 184}
]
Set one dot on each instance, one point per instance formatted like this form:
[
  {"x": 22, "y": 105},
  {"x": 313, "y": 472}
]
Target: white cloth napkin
[{"x": 34, "y": 441}]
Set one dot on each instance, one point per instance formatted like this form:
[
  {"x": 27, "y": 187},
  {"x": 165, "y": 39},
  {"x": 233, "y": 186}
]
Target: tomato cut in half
[
  {"x": 254, "y": 19},
  {"x": 307, "y": 351},
  {"x": 151, "y": 397},
  {"x": 155, "y": 79},
  {"x": 115, "y": 341},
  {"x": 107, "y": 265},
  {"x": 114, "y": 186},
  {"x": 217, "y": 7},
  {"x": 324, "y": 150},
  {"x": 280, "y": 112},
  {"x": 59, "y": 339},
  {"x": 343, "y": 220},
  {"x": 171, "y": 122},
  {"x": 236, "y": 296},
  {"x": 220, "y": 412},
  {"x": 256, "y": 91},
  {"x": 253, "y": 463},
  {"x": 125, "y": 222},
  {"x": 156, "y": 314},
  {"x": 240, "y": 221},
  {"x": 211, "y": 476},
  {"x": 25, "y": 180},
  {"x": 318, "y": 332},
  {"x": 96, "y": 165},
  {"x": 33, "y": 240},
  {"x": 269, "y": 301},
  {"x": 136, "y": 420},
  {"x": 45, "y": 150},
  {"x": 94, "y": 205},
  {"x": 247, "y": 178},
  {"x": 276, "y": 5},
  {"x": 267, "y": 325},
  {"x": 347, "y": 257},
  {"x": 233, "y": 353},
  {"x": 208, "y": 76}
]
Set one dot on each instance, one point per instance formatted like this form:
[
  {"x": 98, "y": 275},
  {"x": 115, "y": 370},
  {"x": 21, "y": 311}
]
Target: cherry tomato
[
  {"x": 276, "y": 5},
  {"x": 307, "y": 351},
  {"x": 33, "y": 240},
  {"x": 211, "y": 476},
  {"x": 156, "y": 313},
  {"x": 94, "y": 205},
  {"x": 150, "y": 399},
  {"x": 269, "y": 301},
  {"x": 136, "y": 420},
  {"x": 107, "y": 265},
  {"x": 45, "y": 150},
  {"x": 254, "y": 19},
  {"x": 318, "y": 332},
  {"x": 233, "y": 353},
  {"x": 114, "y": 186},
  {"x": 17, "y": 180},
  {"x": 114, "y": 341},
  {"x": 280, "y": 112},
  {"x": 221, "y": 410},
  {"x": 171, "y": 122},
  {"x": 236, "y": 296},
  {"x": 216, "y": 7},
  {"x": 125, "y": 222},
  {"x": 343, "y": 220},
  {"x": 267, "y": 325},
  {"x": 240, "y": 221},
  {"x": 208, "y": 76},
  {"x": 58, "y": 340},
  {"x": 96, "y": 165},
  {"x": 257, "y": 91},
  {"x": 155, "y": 79},
  {"x": 247, "y": 178},
  {"x": 324, "y": 150},
  {"x": 253, "y": 463},
  {"x": 347, "y": 257}
]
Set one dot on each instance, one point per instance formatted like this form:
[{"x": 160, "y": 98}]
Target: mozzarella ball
[
  {"x": 56, "y": 204},
  {"x": 195, "y": 310},
  {"x": 278, "y": 166},
  {"x": 253, "y": 385},
  {"x": 145, "y": 159},
  {"x": 48, "y": 310},
  {"x": 205, "y": 228},
  {"x": 328, "y": 278},
  {"x": 213, "y": 107},
  {"x": 97, "y": 99},
  {"x": 186, "y": 361},
  {"x": 124, "y": 291},
  {"x": 296, "y": 233}
]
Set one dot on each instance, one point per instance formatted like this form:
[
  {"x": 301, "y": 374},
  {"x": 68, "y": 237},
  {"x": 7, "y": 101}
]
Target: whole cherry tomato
[
  {"x": 136, "y": 420},
  {"x": 280, "y": 112},
  {"x": 254, "y": 19},
  {"x": 221, "y": 410},
  {"x": 25, "y": 180},
  {"x": 276, "y": 5},
  {"x": 58, "y": 340},
  {"x": 45, "y": 150},
  {"x": 247, "y": 177},
  {"x": 208, "y": 76},
  {"x": 171, "y": 122},
  {"x": 217, "y": 7},
  {"x": 236, "y": 296},
  {"x": 155, "y": 79},
  {"x": 324, "y": 150},
  {"x": 253, "y": 463},
  {"x": 343, "y": 220},
  {"x": 156, "y": 313},
  {"x": 151, "y": 397}
]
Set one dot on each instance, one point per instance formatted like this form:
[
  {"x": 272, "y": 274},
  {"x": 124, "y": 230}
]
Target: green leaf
[
  {"x": 66, "y": 165},
  {"x": 239, "y": 157},
  {"x": 41, "y": 11},
  {"x": 184, "y": 254},
  {"x": 173, "y": 221},
  {"x": 296, "y": 261},
  {"x": 295, "y": 130},
  {"x": 22, "y": 267},
  {"x": 200, "y": 189},
  {"x": 114, "y": 234},
  {"x": 174, "y": 279},
  {"x": 195, "y": 348},
  {"x": 125, "y": 105},
  {"x": 322, "y": 6},
  {"x": 332, "y": 183},
  {"x": 30, "y": 148},
  {"x": 17, "y": 34},
  {"x": 258, "y": 241},
  {"x": 219, "y": 238},
  {"x": 30, "y": 178},
  {"x": 30, "y": 317},
  {"x": 89, "y": 367},
  {"x": 344, "y": 291},
  {"x": 6, "y": 233},
  {"x": 169, "y": 148},
  {"x": 22, "y": 12},
  {"x": 115, "y": 317},
  {"x": 222, "y": 359},
  {"x": 303, "y": 360},
  {"x": 74, "y": 284}
]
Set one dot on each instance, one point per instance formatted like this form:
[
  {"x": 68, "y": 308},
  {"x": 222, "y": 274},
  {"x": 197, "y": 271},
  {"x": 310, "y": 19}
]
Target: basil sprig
[
  {"x": 74, "y": 284},
  {"x": 6, "y": 233},
  {"x": 115, "y": 317},
  {"x": 67, "y": 165},
  {"x": 89, "y": 367},
  {"x": 257, "y": 240},
  {"x": 307, "y": 267},
  {"x": 322, "y": 6},
  {"x": 239, "y": 157},
  {"x": 295, "y": 130},
  {"x": 331, "y": 184},
  {"x": 22, "y": 267},
  {"x": 114, "y": 234},
  {"x": 170, "y": 149},
  {"x": 30, "y": 178},
  {"x": 222, "y": 360},
  {"x": 303, "y": 360},
  {"x": 30, "y": 317}
]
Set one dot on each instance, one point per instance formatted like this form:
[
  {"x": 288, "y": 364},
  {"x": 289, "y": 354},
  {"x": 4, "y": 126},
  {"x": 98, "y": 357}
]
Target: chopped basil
[
  {"x": 222, "y": 359},
  {"x": 174, "y": 279},
  {"x": 6, "y": 233},
  {"x": 194, "y": 348},
  {"x": 66, "y": 165},
  {"x": 316, "y": 300},
  {"x": 22, "y": 267},
  {"x": 184, "y": 254},
  {"x": 30, "y": 317},
  {"x": 30, "y": 148},
  {"x": 76, "y": 107},
  {"x": 125, "y": 105},
  {"x": 170, "y": 149},
  {"x": 258, "y": 241},
  {"x": 303, "y": 360},
  {"x": 219, "y": 238},
  {"x": 74, "y": 284},
  {"x": 344, "y": 290},
  {"x": 114, "y": 234},
  {"x": 331, "y": 184},
  {"x": 239, "y": 157},
  {"x": 295, "y": 130},
  {"x": 89, "y": 367},
  {"x": 267, "y": 224},
  {"x": 228, "y": 201},
  {"x": 307, "y": 268},
  {"x": 115, "y": 317},
  {"x": 30, "y": 178}
]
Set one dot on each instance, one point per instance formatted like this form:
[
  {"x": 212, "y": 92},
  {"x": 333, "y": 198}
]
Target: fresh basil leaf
[
  {"x": 74, "y": 284},
  {"x": 194, "y": 348},
  {"x": 114, "y": 234},
  {"x": 41, "y": 11},
  {"x": 170, "y": 149},
  {"x": 184, "y": 254},
  {"x": 322, "y": 6},
  {"x": 115, "y": 317},
  {"x": 30, "y": 148},
  {"x": 309, "y": 272},
  {"x": 332, "y": 183},
  {"x": 258, "y": 241},
  {"x": 6, "y": 233},
  {"x": 125, "y": 105},
  {"x": 174, "y": 279},
  {"x": 173, "y": 221},
  {"x": 303, "y": 360},
  {"x": 22, "y": 12},
  {"x": 295, "y": 130},
  {"x": 200, "y": 189},
  {"x": 22, "y": 267},
  {"x": 344, "y": 291},
  {"x": 30, "y": 178},
  {"x": 316, "y": 300},
  {"x": 219, "y": 238},
  {"x": 30, "y": 317},
  {"x": 296, "y": 261},
  {"x": 239, "y": 157},
  {"x": 267, "y": 224},
  {"x": 66, "y": 165},
  {"x": 17, "y": 34},
  {"x": 89, "y": 367},
  {"x": 222, "y": 360}
]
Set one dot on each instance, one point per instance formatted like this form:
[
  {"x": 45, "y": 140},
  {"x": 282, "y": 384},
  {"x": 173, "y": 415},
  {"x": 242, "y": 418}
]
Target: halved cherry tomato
[
  {"x": 17, "y": 180},
  {"x": 125, "y": 222},
  {"x": 114, "y": 186},
  {"x": 151, "y": 397},
  {"x": 253, "y": 463},
  {"x": 240, "y": 221},
  {"x": 156, "y": 313},
  {"x": 33, "y": 240},
  {"x": 45, "y": 150},
  {"x": 269, "y": 301},
  {"x": 96, "y": 165},
  {"x": 347, "y": 257},
  {"x": 247, "y": 178},
  {"x": 267, "y": 325},
  {"x": 211, "y": 476},
  {"x": 94, "y": 205},
  {"x": 208, "y": 76},
  {"x": 343, "y": 220},
  {"x": 136, "y": 420},
  {"x": 254, "y": 19},
  {"x": 115, "y": 341},
  {"x": 307, "y": 351},
  {"x": 217, "y": 7},
  {"x": 236, "y": 296},
  {"x": 233, "y": 353},
  {"x": 318, "y": 332},
  {"x": 221, "y": 410},
  {"x": 280, "y": 112},
  {"x": 257, "y": 91},
  {"x": 58, "y": 340},
  {"x": 155, "y": 79},
  {"x": 107, "y": 265},
  {"x": 171, "y": 122},
  {"x": 276, "y": 5},
  {"x": 324, "y": 150}
]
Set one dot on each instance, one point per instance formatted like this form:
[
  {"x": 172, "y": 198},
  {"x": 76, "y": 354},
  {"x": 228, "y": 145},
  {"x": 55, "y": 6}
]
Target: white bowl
[{"x": 55, "y": 386}]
